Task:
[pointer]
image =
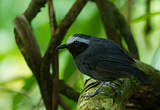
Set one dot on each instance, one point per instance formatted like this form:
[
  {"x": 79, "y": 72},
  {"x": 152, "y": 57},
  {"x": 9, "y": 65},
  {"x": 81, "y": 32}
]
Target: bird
[{"x": 102, "y": 59}]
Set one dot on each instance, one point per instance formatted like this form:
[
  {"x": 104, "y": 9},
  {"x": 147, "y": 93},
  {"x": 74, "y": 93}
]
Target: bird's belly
[
  {"x": 86, "y": 69},
  {"x": 82, "y": 67}
]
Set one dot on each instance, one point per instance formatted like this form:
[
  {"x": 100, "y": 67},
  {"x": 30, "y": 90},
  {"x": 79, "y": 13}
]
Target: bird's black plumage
[{"x": 102, "y": 59}]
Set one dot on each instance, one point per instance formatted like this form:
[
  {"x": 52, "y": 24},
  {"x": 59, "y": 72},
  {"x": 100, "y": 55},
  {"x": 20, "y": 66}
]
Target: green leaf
[
  {"x": 156, "y": 59},
  {"x": 145, "y": 16},
  {"x": 9, "y": 90}
]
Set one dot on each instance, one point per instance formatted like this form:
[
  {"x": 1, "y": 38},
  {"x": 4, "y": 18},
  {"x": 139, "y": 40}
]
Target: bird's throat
[{"x": 75, "y": 51}]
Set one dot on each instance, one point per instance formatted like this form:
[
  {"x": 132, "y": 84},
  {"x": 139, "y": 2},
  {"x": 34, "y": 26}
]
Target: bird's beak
[{"x": 62, "y": 46}]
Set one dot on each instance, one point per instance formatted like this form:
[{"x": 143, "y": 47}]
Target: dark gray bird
[{"x": 101, "y": 59}]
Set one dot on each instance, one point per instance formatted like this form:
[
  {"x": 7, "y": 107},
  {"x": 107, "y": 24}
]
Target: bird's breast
[
  {"x": 86, "y": 67},
  {"x": 81, "y": 65}
]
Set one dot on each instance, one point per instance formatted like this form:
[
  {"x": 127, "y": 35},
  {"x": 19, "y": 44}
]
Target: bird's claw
[
  {"x": 93, "y": 94},
  {"x": 89, "y": 95},
  {"x": 112, "y": 85}
]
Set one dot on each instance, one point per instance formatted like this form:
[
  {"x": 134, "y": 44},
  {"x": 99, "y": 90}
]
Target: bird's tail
[{"x": 138, "y": 74}]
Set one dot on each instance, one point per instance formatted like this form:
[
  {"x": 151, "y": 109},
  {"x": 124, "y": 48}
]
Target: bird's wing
[
  {"x": 111, "y": 51},
  {"x": 107, "y": 68},
  {"x": 109, "y": 61}
]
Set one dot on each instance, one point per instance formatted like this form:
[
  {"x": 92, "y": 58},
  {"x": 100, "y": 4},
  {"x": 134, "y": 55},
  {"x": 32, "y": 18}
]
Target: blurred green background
[{"x": 18, "y": 88}]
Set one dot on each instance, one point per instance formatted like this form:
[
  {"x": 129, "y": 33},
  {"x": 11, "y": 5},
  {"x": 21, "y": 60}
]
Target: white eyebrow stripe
[
  {"x": 83, "y": 40},
  {"x": 72, "y": 39}
]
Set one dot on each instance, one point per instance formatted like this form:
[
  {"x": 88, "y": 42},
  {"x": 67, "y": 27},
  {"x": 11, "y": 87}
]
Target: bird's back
[{"x": 102, "y": 59}]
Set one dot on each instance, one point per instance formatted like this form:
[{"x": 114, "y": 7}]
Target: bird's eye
[{"x": 75, "y": 42}]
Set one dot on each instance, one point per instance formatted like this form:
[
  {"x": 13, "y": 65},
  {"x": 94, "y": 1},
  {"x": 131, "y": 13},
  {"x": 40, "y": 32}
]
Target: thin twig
[
  {"x": 55, "y": 95},
  {"x": 52, "y": 17},
  {"x": 148, "y": 26},
  {"x": 130, "y": 2},
  {"x": 68, "y": 91},
  {"x": 55, "y": 67},
  {"x": 53, "y": 27},
  {"x": 61, "y": 31},
  {"x": 107, "y": 10},
  {"x": 63, "y": 104},
  {"x": 116, "y": 25},
  {"x": 32, "y": 55},
  {"x": 56, "y": 40}
]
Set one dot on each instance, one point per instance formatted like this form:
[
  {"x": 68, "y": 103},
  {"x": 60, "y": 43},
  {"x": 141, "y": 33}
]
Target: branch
[
  {"x": 30, "y": 50},
  {"x": 33, "y": 9},
  {"x": 148, "y": 26},
  {"x": 52, "y": 18},
  {"x": 68, "y": 91},
  {"x": 107, "y": 14},
  {"x": 111, "y": 100},
  {"x": 147, "y": 97},
  {"x": 143, "y": 96},
  {"x": 127, "y": 34},
  {"x": 55, "y": 95},
  {"x": 116, "y": 26},
  {"x": 61, "y": 31},
  {"x": 63, "y": 104},
  {"x": 129, "y": 13},
  {"x": 56, "y": 40},
  {"x": 27, "y": 43},
  {"x": 55, "y": 67}
]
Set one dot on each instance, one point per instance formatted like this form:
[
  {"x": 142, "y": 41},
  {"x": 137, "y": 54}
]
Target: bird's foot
[
  {"x": 90, "y": 94},
  {"x": 97, "y": 91},
  {"x": 104, "y": 93},
  {"x": 111, "y": 84}
]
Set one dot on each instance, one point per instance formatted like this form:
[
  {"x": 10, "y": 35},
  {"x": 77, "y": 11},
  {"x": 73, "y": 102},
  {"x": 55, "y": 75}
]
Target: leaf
[
  {"x": 145, "y": 16},
  {"x": 9, "y": 90},
  {"x": 156, "y": 59}
]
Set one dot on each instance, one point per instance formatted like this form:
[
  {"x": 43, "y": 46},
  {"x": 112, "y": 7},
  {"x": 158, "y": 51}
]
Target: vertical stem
[
  {"x": 53, "y": 27},
  {"x": 148, "y": 20},
  {"x": 63, "y": 104},
  {"x": 52, "y": 17},
  {"x": 129, "y": 11},
  {"x": 55, "y": 81}
]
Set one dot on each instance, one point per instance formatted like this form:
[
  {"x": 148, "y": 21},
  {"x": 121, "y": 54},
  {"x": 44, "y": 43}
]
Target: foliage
[{"x": 17, "y": 85}]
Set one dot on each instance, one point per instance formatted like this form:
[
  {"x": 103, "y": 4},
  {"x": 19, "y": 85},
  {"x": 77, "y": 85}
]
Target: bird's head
[{"x": 76, "y": 44}]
